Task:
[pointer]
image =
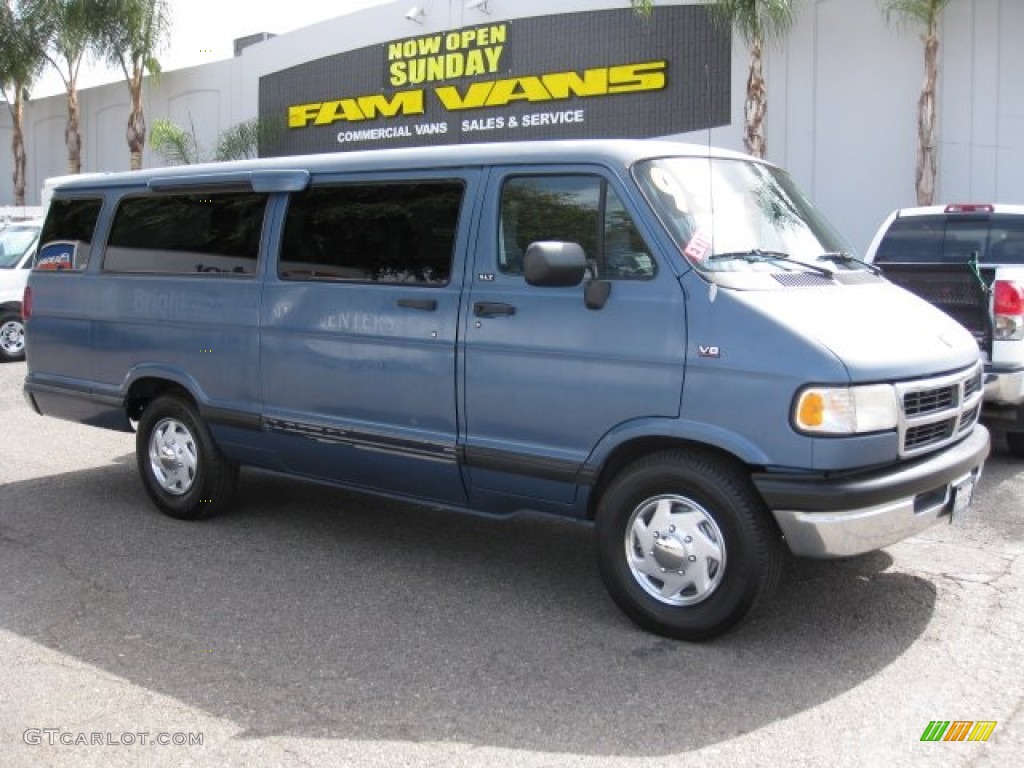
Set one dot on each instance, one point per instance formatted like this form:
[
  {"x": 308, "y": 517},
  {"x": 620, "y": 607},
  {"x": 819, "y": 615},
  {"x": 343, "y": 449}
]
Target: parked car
[
  {"x": 17, "y": 246},
  {"x": 660, "y": 338},
  {"x": 968, "y": 260}
]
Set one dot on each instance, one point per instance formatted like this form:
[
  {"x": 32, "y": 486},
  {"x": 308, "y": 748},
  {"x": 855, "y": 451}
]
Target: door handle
[
  {"x": 427, "y": 305},
  {"x": 493, "y": 309}
]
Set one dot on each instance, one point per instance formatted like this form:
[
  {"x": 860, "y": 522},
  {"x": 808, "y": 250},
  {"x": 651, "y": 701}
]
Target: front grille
[
  {"x": 929, "y": 401},
  {"x": 973, "y": 385},
  {"x": 938, "y": 410},
  {"x": 928, "y": 434},
  {"x": 970, "y": 418}
]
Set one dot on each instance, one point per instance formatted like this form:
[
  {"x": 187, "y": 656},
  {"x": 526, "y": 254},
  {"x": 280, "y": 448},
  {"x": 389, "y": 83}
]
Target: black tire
[
  {"x": 707, "y": 528},
  {"x": 182, "y": 470},
  {"x": 1015, "y": 442},
  {"x": 12, "y": 337}
]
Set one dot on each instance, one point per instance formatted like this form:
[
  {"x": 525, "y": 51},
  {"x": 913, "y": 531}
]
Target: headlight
[{"x": 846, "y": 410}]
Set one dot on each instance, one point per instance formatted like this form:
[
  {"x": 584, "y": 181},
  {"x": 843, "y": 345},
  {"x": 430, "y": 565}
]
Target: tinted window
[
  {"x": 575, "y": 209},
  {"x": 1006, "y": 240},
  {"x": 374, "y": 232},
  {"x": 195, "y": 233},
  {"x": 954, "y": 239},
  {"x": 67, "y": 234},
  {"x": 913, "y": 239}
]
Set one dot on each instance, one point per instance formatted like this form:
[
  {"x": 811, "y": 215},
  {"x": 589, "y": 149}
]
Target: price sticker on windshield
[{"x": 698, "y": 247}]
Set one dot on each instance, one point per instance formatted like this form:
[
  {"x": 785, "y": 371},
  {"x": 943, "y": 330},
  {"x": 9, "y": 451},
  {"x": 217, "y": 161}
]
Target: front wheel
[
  {"x": 12, "y": 337},
  {"x": 685, "y": 546},
  {"x": 182, "y": 470}
]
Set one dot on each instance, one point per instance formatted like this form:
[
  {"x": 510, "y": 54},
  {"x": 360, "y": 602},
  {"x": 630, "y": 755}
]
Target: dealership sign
[{"x": 582, "y": 75}]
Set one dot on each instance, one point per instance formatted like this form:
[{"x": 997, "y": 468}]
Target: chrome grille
[
  {"x": 927, "y": 434},
  {"x": 937, "y": 411},
  {"x": 970, "y": 418},
  {"x": 929, "y": 401},
  {"x": 973, "y": 385}
]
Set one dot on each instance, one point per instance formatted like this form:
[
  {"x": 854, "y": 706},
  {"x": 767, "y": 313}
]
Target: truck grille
[{"x": 939, "y": 410}]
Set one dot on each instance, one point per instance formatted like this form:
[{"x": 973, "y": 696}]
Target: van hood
[{"x": 878, "y": 330}]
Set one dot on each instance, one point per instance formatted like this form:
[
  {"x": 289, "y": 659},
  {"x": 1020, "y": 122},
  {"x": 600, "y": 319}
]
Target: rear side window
[
  {"x": 205, "y": 234},
  {"x": 575, "y": 209},
  {"x": 953, "y": 239},
  {"x": 66, "y": 239},
  {"x": 386, "y": 232}
]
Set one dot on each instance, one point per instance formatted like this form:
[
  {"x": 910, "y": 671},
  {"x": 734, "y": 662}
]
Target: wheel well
[
  {"x": 145, "y": 391},
  {"x": 629, "y": 452},
  {"x": 11, "y": 306}
]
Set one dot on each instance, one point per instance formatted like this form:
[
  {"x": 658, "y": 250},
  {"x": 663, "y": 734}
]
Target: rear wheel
[
  {"x": 12, "y": 336},
  {"x": 685, "y": 545},
  {"x": 182, "y": 470}
]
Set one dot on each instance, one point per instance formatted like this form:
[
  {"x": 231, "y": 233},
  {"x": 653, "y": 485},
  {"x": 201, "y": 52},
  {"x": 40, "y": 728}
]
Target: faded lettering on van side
[{"x": 359, "y": 322}]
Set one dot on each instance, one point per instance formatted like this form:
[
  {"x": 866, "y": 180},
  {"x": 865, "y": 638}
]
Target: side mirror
[{"x": 554, "y": 264}]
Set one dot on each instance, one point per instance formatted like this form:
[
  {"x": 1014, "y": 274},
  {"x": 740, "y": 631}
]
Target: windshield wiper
[
  {"x": 753, "y": 256},
  {"x": 842, "y": 257},
  {"x": 756, "y": 256}
]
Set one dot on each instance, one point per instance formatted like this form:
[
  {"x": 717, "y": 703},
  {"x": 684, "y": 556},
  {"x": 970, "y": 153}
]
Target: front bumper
[{"x": 845, "y": 515}]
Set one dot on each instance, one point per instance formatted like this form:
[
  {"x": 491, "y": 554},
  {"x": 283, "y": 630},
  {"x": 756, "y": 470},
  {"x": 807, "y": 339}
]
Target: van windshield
[
  {"x": 731, "y": 215},
  {"x": 14, "y": 241}
]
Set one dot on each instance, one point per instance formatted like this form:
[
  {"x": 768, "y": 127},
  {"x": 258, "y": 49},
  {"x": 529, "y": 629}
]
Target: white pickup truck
[{"x": 968, "y": 260}]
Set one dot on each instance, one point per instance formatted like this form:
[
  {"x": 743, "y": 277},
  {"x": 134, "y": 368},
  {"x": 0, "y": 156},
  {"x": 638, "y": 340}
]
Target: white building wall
[{"x": 842, "y": 92}]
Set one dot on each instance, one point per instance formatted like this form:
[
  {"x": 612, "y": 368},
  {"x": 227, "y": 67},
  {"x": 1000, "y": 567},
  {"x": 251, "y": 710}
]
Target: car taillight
[
  {"x": 1008, "y": 308},
  {"x": 26, "y": 303}
]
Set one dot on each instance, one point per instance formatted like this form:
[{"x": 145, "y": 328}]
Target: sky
[{"x": 205, "y": 30}]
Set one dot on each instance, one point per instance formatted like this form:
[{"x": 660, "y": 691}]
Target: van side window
[
  {"x": 213, "y": 233},
  {"x": 379, "y": 232},
  {"x": 66, "y": 238},
  {"x": 576, "y": 209}
]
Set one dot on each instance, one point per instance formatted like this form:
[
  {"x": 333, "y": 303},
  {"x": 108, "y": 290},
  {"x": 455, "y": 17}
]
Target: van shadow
[{"x": 309, "y": 611}]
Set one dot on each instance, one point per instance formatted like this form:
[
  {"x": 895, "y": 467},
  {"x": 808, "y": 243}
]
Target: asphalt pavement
[{"x": 312, "y": 626}]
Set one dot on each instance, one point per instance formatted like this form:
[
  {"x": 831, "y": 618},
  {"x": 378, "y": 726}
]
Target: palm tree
[
  {"x": 71, "y": 28},
  {"x": 758, "y": 22},
  {"x": 239, "y": 141},
  {"x": 174, "y": 144},
  {"x": 179, "y": 146},
  {"x": 21, "y": 58},
  {"x": 134, "y": 32},
  {"x": 928, "y": 13}
]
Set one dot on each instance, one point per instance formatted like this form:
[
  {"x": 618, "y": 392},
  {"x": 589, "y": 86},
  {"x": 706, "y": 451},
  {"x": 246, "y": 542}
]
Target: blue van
[{"x": 666, "y": 340}]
